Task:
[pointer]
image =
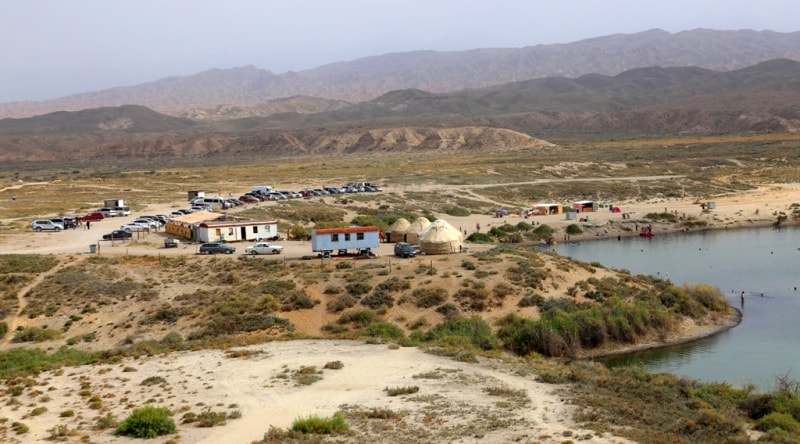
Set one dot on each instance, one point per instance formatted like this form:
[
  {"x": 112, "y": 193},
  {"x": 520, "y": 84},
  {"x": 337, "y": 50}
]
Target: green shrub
[
  {"x": 426, "y": 297},
  {"x": 208, "y": 418},
  {"x": 342, "y": 265},
  {"x": 234, "y": 324},
  {"x": 358, "y": 288},
  {"x": 480, "y": 238},
  {"x": 468, "y": 265},
  {"x": 531, "y": 300},
  {"x": 359, "y": 318},
  {"x": 449, "y": 310},
  {"x": 543, "y": 231},
  {"x": 474, "y": 330},
  {"x": 378, "y": 299},
  {"x": 334, "y": 365},
  {"x": 384, "y": 330},
  {"x": 394, "y": 284},
  {"x": 574, "y": 229},
  {"x": 321, "y": 426},
  {"x": 757, "y": 405},
  {"x": 775, "y": 420},
  {"x": 147, "y": 422},
  {"x": 153, "y": 380},
  {"x": 340, "y": 303},
  {"x": 333, "y": 289},
  {"x": 106, "y": 421},
  {"x": 36, "y": 334}
]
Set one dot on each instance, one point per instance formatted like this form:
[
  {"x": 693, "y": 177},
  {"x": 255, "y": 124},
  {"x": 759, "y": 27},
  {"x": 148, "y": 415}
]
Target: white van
[
  {"x": 215, "y": 202},
  {"x": 263, "y": 189},
  {"x": 122, "y": 211}
]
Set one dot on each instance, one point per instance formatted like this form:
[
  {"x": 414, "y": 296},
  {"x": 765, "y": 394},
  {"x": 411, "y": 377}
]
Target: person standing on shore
[{"x": 742, "y": 299}]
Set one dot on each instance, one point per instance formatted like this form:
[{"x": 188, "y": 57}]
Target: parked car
[
  {"x": 62, "y": 221},
  {"x": 96, "y": 215},
  {"x": 404, "y": 249},
  {"x": 216, "y": 247},
  {"x": 246, "y": 198},
  {"x": 264, "y": 248},
  {"x": 123, "y": 211},
  {"x": 134, "y": 227},
  {"x": 59, "y": 222},
  {"x": 149, "y": 223},
  {"x": 118, "y": 234},
  {"x": 108, "y": 212},
  {"x": 155, "y": 219},
  {"x": 45, "y": 225},
  {"x": 176, "y": 214}
]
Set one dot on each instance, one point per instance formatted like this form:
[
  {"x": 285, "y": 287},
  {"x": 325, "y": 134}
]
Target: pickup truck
[{"x": 263, "y": 248}]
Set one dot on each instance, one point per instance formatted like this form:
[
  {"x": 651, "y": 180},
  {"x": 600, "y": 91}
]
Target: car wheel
[
  {"x": 38, "y": 228},
  {"x": 253, "y": 253},
  {"x": 58, "y": 229},
  {"x": 228, "y": 252},
  {"x": 276, "y": 251}
]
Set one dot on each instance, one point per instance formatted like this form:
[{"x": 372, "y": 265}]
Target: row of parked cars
[
  {"x": 67, "y": 222},
  {"x": 278, "y": 195},
  {"x": 258, "y": 248}
]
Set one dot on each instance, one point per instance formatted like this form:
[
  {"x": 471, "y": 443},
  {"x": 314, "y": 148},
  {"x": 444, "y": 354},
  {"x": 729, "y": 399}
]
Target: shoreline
[{"x": 702, "y": 332}]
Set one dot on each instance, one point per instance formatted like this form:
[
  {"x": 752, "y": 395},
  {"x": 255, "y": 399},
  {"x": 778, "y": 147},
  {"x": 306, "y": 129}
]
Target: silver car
[{"x": 45, "y": 225}]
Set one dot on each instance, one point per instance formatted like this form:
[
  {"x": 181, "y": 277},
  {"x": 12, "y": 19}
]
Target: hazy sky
[{"x": 53, "y": 48}]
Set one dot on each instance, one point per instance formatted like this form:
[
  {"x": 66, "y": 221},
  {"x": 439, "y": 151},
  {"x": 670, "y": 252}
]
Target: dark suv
[
  {"x": 214, "y": 247},
  {"x": 404, "y": 249}
]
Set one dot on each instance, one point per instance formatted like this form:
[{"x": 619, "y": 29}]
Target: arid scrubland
[{"x": 91, "y": 341}]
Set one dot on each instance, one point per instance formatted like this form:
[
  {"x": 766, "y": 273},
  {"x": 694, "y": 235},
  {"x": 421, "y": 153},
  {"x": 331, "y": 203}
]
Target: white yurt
[
  {"x": 441, "y": 238},
  {"x": 397, "y": 231},
  {"x": 415, "y": 229}
]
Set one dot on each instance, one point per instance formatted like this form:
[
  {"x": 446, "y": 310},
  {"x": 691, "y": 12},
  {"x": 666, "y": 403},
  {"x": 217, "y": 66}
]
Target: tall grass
[{"x": 20, "y": 362}]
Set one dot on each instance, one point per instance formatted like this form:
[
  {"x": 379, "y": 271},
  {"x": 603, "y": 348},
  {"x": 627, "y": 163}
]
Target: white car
[
  {"x": 41, "y": 225},
  {"x": 108, "y": 212},
  {"x": 149, "y": 223},
  {"x": 263, "y": 248},
  {"x": 134, "y": 227}
]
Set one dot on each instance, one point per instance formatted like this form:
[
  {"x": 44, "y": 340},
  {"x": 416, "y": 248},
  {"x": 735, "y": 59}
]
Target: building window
[
  {"x": 230, "y": 231},
  {"x": 347, "y": 237},
  {"x": 219, "y": 231},
  {"x": 255, "y": 229},
  {"x": 334, "y": 238},
  {"x": 359, "y": 236}
]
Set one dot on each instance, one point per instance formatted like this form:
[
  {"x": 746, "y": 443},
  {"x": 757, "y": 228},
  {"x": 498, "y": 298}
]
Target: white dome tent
[
  {"x": 441, "y": 238},
  {"x": 415, "y": 229},
  {"x": 397, "y": 231}
]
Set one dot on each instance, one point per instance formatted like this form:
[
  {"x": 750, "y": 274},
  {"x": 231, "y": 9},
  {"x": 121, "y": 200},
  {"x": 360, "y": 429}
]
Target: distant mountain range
[
  {"x": 232, "y": 112},
  {"x": 643, "y": 101},
  {"x": 242, "y": 92}
]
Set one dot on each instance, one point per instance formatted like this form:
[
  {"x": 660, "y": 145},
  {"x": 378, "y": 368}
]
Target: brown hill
[
  {"x": 757, "y": 99},
  {"x": 133, "y": 148},
  {"x": 369, "y": 77}
]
